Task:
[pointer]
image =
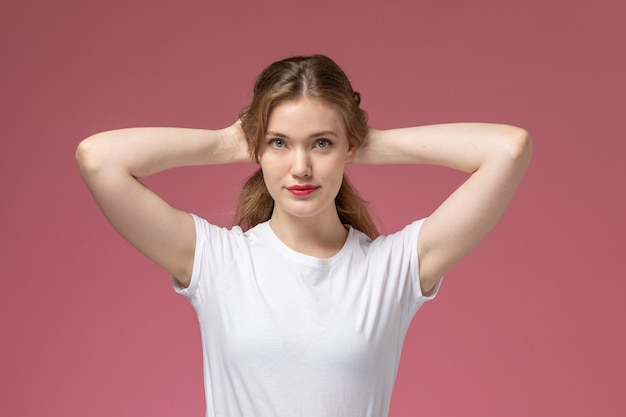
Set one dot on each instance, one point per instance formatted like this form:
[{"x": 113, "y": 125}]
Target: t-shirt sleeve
[
  {"x": 215, "y": 249},
  {"x": 405, "y": 245},
  {"x": 415, "y": 279},
  {"x": 418, "y": 297},
  {"x": 201, "y": 240},
  {"x": 395, "y": 257}
]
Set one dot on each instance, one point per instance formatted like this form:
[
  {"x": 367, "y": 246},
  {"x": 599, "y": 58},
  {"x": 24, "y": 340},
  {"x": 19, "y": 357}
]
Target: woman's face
[{"x": 303, "y": 158}]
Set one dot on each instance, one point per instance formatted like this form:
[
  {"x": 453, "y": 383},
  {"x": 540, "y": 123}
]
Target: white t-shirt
[{"x": 287, "y": 334}]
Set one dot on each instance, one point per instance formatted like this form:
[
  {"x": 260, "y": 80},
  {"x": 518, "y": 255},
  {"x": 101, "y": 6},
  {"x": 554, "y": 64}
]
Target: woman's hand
[
  {"x": 235, "y": 135},
  {"x": 366, "y": 153}
]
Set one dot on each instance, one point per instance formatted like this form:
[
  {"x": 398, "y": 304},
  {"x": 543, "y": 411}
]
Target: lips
[
  {"x": 302, "y": 187},
  {"x": 301, "y": 190}
]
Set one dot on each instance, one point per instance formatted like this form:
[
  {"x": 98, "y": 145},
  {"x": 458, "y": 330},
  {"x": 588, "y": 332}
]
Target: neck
[{"x": 317, "y": 237}]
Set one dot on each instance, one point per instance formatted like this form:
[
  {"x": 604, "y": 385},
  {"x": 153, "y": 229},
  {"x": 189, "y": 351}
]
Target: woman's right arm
[{"x": 111, "y": 164}]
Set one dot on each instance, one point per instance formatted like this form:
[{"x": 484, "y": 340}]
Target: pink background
[{"x": 531, "y": 324}]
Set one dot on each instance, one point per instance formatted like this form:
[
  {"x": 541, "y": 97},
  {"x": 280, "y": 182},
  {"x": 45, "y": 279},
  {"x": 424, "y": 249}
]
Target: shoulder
[
  {"x": 406, "y": 236},
  {"x": 217, "y": 239},
  {"x": 206, "y": 228},
  {"x": 397, "y": 247},
  {"x": 216, "y": 248}
]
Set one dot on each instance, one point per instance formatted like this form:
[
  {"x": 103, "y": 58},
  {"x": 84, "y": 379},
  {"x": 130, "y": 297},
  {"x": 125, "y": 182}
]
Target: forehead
[{"x": 303, "y": 117}]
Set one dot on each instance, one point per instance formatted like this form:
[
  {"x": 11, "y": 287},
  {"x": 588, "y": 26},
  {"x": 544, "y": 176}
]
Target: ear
[{"x": 351, "y": 153}]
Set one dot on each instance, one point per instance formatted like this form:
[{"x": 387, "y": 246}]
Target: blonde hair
[{"x": 315, "y": 76}]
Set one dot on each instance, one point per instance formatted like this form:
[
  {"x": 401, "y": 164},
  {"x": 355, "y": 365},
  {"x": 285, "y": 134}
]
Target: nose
[{"x": 300, "y": 163}]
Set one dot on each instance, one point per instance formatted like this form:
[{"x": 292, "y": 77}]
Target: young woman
[{"x": 302, "y": 306}]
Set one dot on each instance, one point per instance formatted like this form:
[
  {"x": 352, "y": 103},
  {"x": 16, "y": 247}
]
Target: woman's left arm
[{"x": 496, "y": 156}]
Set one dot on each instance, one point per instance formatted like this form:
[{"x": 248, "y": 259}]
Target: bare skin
[
  {"x": 495, "y": 155},
  {"x": 111, "y": 164},
  {"x": 306, "y": 146}
]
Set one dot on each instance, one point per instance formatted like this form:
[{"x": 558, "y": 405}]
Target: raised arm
[
  {"x": 496, "y": 156},
  {"x": 111, "y": 164}
]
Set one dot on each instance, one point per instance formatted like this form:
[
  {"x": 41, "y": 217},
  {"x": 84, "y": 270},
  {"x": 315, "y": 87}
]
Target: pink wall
[{"x": 531, "y": 324}]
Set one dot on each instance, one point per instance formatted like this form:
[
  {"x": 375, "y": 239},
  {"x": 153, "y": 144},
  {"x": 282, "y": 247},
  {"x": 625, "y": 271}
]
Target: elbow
[
  {"x": 88, "y": 155},
  {"x": 518, "y": 145}
]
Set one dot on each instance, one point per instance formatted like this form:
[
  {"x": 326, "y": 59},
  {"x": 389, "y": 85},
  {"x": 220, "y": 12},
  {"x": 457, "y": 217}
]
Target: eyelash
[
  {"x": 273, "y": 143},
  {"x": 326, "y": 142},
  {"x": 280, "y": 143}
]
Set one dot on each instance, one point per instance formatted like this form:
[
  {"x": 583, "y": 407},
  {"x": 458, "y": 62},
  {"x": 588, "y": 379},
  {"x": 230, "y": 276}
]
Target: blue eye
[
  {"x": 277, "y": 143},
  {"x": 322, "y": 143}
]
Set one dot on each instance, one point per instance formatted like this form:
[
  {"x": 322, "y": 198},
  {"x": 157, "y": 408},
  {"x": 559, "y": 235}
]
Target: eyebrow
[{"x": 314, "y": 135}]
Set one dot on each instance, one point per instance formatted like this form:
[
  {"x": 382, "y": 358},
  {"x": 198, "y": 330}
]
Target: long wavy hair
[{"x": 315, "y": 76}]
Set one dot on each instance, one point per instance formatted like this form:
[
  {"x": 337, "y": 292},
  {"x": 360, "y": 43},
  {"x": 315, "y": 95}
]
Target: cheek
[
  {"x": 335, "y": 170},
  {"x": 273, "y": 173},
  {"x": 268, "y": 165},
  {"x": 270, "y": 184}
]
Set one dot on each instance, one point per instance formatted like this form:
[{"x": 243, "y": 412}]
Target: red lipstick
[{"x": 302, "y": 190}]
